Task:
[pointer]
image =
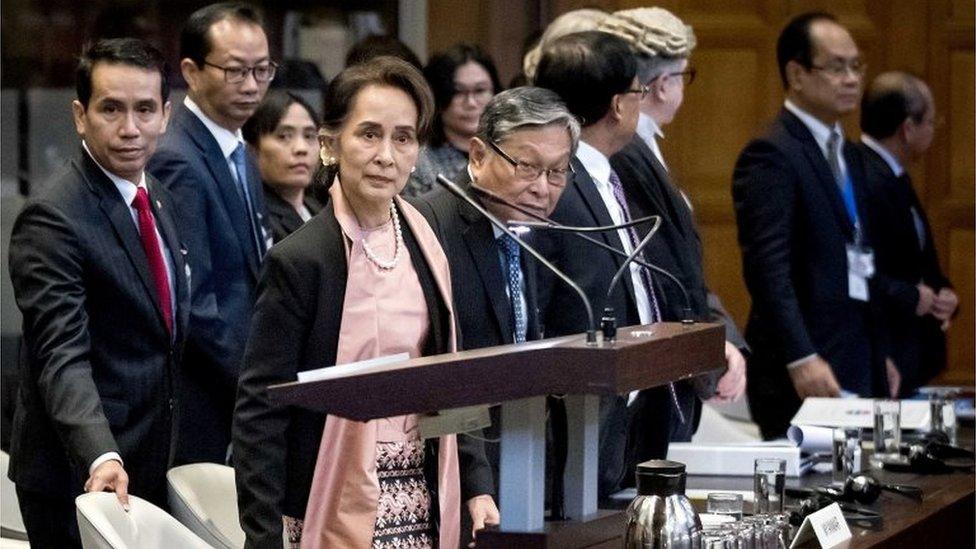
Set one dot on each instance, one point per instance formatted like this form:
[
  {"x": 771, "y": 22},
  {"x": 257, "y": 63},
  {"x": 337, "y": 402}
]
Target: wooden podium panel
[
  {"x": 641, "y": 357},
  {"x": 518, "y": 377}
]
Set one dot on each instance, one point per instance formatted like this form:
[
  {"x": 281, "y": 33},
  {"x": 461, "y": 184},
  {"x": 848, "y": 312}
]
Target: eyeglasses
[
  {"x": 687, "y": 75},
  {"x": 236, "y": 75},
  {"x": 530, "y": 172},
  {"x": 838, "y": 69},
  {"x": 643, "y": 90}
]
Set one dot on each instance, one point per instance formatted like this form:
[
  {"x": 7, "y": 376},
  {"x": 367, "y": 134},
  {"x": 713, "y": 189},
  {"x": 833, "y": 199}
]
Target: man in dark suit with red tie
[
  {"x": 203, "y": 161},
  {"x": 98, "y": 272},
  {"x": 897, "y": 125}
]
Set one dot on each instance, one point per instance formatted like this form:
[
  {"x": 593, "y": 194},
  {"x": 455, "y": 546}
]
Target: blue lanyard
[{"x": 847, "y": 192}]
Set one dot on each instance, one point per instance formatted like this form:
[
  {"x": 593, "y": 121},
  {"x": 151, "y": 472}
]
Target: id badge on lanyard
[
  {"x": 860, "y": 258},
  {"x": 860, "y": 267}
]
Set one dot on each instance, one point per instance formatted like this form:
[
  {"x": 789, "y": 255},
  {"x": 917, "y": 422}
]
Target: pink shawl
[{"x": 342, "y": 504}]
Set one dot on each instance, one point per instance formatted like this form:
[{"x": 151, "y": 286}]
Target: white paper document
[
  {"x": 363, "y": 366},
  {"x": 736, "y": 459},
  {"x": 857, "y": 412}
]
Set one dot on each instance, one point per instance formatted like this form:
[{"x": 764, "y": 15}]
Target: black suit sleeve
[
  {"x": 278, "y": 331},
  {"x": 764, "y": 196},
  {"x": 47, "y": 271},
  {"x": 209, "y": 333}
]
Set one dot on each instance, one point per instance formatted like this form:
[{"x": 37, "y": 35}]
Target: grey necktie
[{"x": 833, "y": 157}]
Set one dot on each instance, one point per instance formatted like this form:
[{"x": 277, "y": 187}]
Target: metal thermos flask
[{"x": 661, "y": 517}]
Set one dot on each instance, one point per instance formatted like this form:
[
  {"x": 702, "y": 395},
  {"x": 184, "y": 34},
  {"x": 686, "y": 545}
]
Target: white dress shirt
[
  {"x": 650, "y": 132},
  {"x": 598, "y": 167},
  {"x": 884, "y": 153},
  {"x": 128, "y": 190},
  {"x": 821, "y": 132}
]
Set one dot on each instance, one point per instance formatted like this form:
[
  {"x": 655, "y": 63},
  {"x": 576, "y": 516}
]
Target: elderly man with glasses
[
  {"x": 203, "y": 161},
  {"x": 518, "y": 166},
  {"x": 662, "y": 45}
]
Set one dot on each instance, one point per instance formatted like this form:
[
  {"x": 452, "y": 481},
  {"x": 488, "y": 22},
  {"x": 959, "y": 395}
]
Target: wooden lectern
[{"x": 519, "y": 377}]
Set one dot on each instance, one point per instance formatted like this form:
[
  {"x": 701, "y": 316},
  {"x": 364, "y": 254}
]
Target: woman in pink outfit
[{"x": 364, "y": 278}]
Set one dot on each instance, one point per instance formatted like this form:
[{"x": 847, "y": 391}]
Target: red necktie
[{"x": 150, "y": 244}]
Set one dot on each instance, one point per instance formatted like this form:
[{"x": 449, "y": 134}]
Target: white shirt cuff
[
  {"x": 800, "y": 361},
  {"x": 107, "y": 456}
]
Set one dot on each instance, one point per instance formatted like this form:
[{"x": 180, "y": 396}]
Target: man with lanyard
[{"x": 814, "y": 322}]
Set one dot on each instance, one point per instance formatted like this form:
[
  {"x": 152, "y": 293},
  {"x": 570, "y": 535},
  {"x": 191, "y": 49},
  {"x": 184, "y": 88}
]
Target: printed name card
[{"x": 827, "y": 526}]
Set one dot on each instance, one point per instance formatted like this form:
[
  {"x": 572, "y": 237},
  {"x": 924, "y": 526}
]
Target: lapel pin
[{"x": 159, "y": 204}]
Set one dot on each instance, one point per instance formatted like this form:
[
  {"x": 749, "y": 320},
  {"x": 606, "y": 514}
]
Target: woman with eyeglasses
[
  {"x": 363, "y": 279},
  {"x": 463, "y": 80},
  {"x": 283, "y": 133}
]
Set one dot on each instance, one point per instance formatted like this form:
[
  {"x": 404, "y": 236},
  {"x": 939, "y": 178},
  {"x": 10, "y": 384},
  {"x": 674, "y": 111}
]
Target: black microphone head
[{"x": 608, "y": 324}]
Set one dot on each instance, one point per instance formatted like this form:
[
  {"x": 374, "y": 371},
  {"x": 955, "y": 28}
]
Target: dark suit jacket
[
  {"x": 482, "y": 307},
  {"x": 677, "y": 249},
  {"x": 477, "y": 281},
  {"x": 301, "y": 292},
  {"x": 99, "y": 368},
  {"x": 282, "y": 217},
  {"x": 793, "y": 231},
  {"x": 917, "y": 344},
  {"x": 224, "y": 265},
  {"x": 627, "y": 434}
]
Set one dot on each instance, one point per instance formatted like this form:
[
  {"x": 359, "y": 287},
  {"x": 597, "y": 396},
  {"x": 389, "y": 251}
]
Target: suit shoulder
[
  {"x": 320, "y": 233},
  {"x": 64, "y": 190}
]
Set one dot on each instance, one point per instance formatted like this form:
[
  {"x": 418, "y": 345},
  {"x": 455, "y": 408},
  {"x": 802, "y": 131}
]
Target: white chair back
[
  {"x": 105, "y": 525},
  {"x": 11, "y": 523},
  {"x": 203, "y": 497}
]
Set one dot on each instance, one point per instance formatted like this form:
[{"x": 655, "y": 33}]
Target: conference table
[{"x": 943, "y": 519}]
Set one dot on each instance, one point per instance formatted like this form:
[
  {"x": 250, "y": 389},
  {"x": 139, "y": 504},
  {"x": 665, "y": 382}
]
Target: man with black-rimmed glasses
[{"x": 203, "y": 161}]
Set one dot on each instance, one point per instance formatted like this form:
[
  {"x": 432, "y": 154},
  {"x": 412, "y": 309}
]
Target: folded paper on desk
[
  {"x": 856, "y": 412},
  {"x": 811, "y": 439},
  {"x": 736, "y": 459},
  {"x": 363, "y": 366}
]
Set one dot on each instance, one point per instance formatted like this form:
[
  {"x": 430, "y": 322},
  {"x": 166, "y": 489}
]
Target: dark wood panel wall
[{"x": 738, "y": 91}]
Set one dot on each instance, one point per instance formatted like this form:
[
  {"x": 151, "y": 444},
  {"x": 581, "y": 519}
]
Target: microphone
[
  {"x": 608, "y": 324},
  {"x": 459, "y": 192},
  {"x": 544, "y": 223}
]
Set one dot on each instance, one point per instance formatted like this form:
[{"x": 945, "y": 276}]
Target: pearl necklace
[{"x": 370, "y": 255}]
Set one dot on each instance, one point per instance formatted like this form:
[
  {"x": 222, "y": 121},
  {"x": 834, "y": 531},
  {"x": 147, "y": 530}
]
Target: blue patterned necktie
[
  {"x": 618, "y": 195},
  {"x": 239, "y": 158},
  {"x": 513, "y": 275}
]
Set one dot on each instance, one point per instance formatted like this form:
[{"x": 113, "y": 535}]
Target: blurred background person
[
  {"x": 463, "y": 80},
  {"x": 283, "y": 133},
  {"x": 815, "y": 327},
  {"x": 898, "y": 119},
  {"x": 369, "y": 262},
  {"x": 376, "y": 45}
]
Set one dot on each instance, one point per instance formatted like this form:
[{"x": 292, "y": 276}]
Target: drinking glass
[
  {"x": 846, "y": 454},
  {"x": 887, "y": 430},
  {"x": 943, "y": 410},
  {"x": 769, "y": 484},
  {"x": 724, "y": 503}
]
